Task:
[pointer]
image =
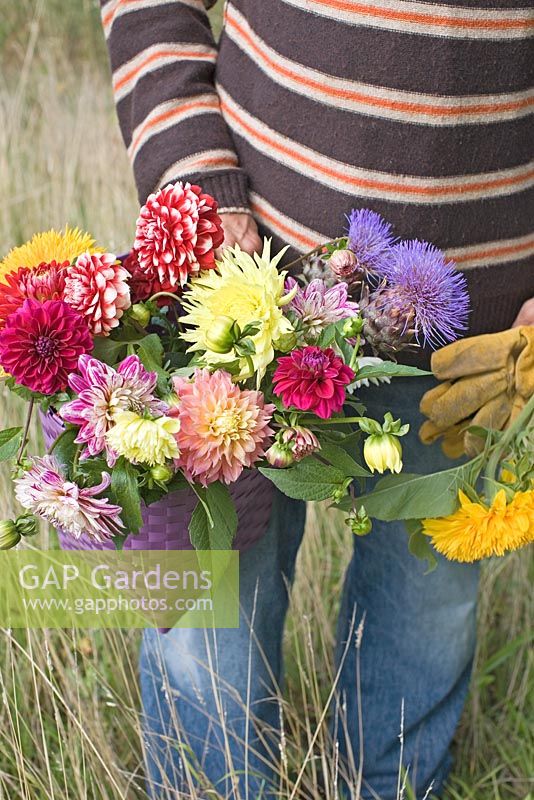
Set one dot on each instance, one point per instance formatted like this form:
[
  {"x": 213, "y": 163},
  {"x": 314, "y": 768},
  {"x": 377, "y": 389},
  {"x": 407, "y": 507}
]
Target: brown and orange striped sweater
[{"x": 422, "y": 111}]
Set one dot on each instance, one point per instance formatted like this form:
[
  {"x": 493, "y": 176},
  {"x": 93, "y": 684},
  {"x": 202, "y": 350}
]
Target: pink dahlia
[
  {"x": 41, "y": 343},
  {"x": 316, "y": 306},
  {"x": 177, "y": 232},
  {"x": 312, "y": 379},
  {"x": 96, "y": 286},
  {"x": 103, "y": 392},
  {"x": 223, "y": 428},
  {"x": 45, "y": 491},
  {"x": 45, "y": 282}
]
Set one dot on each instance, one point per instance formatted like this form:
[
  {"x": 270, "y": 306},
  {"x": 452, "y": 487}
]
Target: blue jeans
[{"x": 415, "y": 657}]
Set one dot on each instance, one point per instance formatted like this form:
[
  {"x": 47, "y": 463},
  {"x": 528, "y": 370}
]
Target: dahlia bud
[
  {"x": 343, "y": 264},
  {"x": 352, "y": 326},
  {"x": 140, "y": 313},
  {"x": 383, "y": 451},
  {"x": 359, "y": 522},
  {"x": 302, "y": 441},
  {"x": 223, "y": 334},
  {"x": 287, "y": 342},
  {"x": 339, "y": 493},
  {"x": 9, "y": 536},
  {"x": 161, "y": 473},
  {"x": 26, "y": 525},
  {"x": 280, "y": 455}
]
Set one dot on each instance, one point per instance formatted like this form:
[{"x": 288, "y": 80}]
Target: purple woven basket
[{"x": 165, "y": 523}]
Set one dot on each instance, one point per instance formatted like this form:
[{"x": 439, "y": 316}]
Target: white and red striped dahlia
[
  {"x": 96, "y": 286},
  {"x": 177, "y": 231}
]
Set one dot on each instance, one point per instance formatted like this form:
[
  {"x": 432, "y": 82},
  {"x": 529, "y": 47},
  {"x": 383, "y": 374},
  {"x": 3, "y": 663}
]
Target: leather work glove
[{"x": 486, "y": 381}]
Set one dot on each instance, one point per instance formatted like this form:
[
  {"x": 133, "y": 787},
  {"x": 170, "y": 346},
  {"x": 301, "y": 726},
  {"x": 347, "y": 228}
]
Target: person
[{"x": 421, "y": 111}]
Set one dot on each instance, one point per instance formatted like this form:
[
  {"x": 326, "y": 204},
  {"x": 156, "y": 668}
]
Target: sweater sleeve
[{"x": 163, "y": 57}]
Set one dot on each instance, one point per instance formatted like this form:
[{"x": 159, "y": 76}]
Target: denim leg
[
  {"x": 208, "y": 695},
  {"x": 418, "y": 636}
]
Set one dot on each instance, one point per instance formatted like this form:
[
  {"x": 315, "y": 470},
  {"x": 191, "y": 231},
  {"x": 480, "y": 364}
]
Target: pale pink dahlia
[
  {"x": 177, "y": 231},
  {"x": 317, "y": 306},
  {"x": 223, "y": 428},
  {"x": 312, "y": 379},
  {"x": 96, "y": 286},
  {"x": 103, "y": 392},
  {"x": 45, "y": 491}
]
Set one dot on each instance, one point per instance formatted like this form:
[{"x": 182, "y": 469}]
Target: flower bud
[
  {"x": 302, "y": 441},
  {"x": 383, "y": 451},
  {"x": 222, "y": 335},
  {"x": 352, "y": 327},
  {"x": 26, "y": 525},
  {"x": 343, "y": 264},
  {"x": 359, "y": 522},
  {"x": 161, "y": 473},
  {"x": 140, "y": 313},
  {"x": 287, "y": 342},
  {"x": 339, "y": 493},
  {"x": 9, "y": 536},
  {"x": 280, "y": 455}
]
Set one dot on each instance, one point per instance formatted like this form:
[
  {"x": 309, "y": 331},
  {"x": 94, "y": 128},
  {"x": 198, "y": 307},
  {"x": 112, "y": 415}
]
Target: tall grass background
[{"x": 69, "y": 704}]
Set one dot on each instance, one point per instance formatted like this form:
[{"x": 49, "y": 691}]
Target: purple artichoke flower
[
  {"x": 370, "y": 238},
  {"x": 421, "y": 278}
]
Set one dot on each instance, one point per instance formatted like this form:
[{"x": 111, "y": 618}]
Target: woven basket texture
[{"x": 165, "y": 523}]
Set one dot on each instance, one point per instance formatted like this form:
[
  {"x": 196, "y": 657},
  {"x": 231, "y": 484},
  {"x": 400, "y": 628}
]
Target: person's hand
[
  {"x": 240, "y": 228},
  {"x": 526, "y": 314}
]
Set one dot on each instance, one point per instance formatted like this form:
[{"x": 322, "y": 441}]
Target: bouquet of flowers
[{"x": 167, "y": 370}]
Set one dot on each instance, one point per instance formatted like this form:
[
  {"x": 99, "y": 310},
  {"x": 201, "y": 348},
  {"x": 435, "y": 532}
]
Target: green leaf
[
  {"x": 125, "y": 493},
  {"x": 306, "y": 480},
  {"x": 220, "y": 535},
  {"x": 389, "y": 369},
  {"x": 150, "y": 351},
  {"x": 108, "y": 350},
  {"x": 64, "y": 448},
  {"x": 338, "y": 457},
  {"x": 419, "y": 544},
  {"x": 10, "y": 441},
  {"x": 409, "y": 496}
]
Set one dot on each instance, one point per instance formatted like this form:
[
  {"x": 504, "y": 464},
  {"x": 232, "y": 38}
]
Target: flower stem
[
  {"x": 163, "y": 294},
  {"x": 26, "y": 430},
  {"x": 313, "y": 252},
  {"x": 493, "y": 463},
  {"x": 355, "y": 352}
]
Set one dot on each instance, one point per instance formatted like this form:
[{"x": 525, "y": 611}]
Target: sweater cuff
[{"x": 228, "y": 187}]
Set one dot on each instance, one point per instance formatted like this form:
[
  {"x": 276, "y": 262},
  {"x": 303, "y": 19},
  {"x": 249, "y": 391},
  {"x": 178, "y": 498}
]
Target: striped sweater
[{"x": 422, "y": 111}]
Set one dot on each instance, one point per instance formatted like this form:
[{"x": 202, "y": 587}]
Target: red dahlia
[
  {"x": 177, "y": 231},
  {"x": 45, "y": 282},
  {"x": 40, "y": 345},
  {"x": 312, "y": 379}
]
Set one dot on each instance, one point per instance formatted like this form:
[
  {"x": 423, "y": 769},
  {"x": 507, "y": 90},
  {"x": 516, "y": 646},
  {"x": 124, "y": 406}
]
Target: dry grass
[{"x": 69, "y": 713}]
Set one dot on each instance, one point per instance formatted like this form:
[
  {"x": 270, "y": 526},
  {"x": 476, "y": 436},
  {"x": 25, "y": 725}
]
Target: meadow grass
[{"x": 69, "y": 724}]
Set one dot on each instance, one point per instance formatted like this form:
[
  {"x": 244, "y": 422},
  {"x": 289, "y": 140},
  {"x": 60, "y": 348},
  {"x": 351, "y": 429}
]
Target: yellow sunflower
[
  {"x": 477, "y": 530},
  {"x": 49, "y": 246}
]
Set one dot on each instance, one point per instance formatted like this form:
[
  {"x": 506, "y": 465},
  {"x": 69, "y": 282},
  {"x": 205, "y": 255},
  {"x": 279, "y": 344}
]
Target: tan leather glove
[{"x": 486, "y": 381}]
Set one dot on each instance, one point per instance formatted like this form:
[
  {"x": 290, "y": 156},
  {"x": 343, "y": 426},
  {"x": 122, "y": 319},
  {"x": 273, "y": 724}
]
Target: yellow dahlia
[
  {"x": 477, "y": 531},
  {"x": 244, "y": 289},
  {"x": 144, "y": 441},
  {"x": 49, "y": 246}
]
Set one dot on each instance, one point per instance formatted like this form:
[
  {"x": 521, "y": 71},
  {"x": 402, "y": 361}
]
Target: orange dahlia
[{"x": 44, "y": 282}]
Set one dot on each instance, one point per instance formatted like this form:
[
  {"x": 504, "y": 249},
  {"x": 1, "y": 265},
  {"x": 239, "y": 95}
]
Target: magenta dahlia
[
  {"x": 312, "y": 379},
  {"x": 45, "y": 282},
  {"x": 41, "y": 343},
  {"x": 96, "y": 286},
  {"x": 177, "y": 232}
]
